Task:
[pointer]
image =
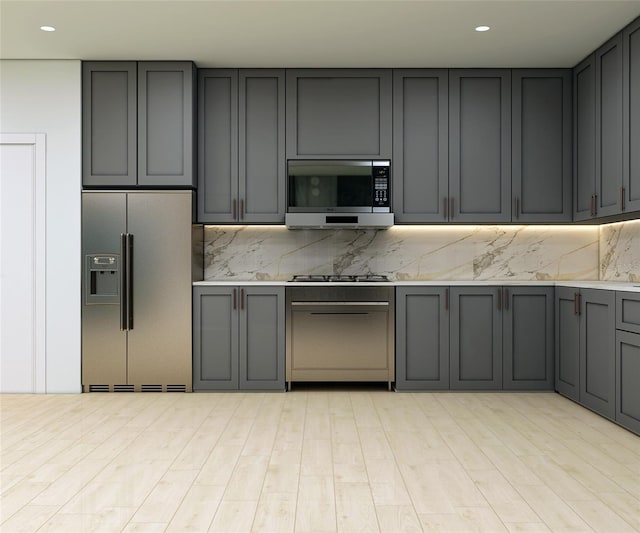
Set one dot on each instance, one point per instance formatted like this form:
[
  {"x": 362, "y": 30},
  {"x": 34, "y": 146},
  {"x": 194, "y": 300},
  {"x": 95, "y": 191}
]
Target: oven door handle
[{"x": 339, "y": 308}]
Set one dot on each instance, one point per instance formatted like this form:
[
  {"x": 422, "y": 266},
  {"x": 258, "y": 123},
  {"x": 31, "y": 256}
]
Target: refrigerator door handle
[
  {"x": 123, "y": 282},
  {"x": 130, "y": 279}
]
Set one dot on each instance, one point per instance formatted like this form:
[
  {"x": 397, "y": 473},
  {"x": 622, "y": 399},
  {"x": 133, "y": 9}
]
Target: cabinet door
[
  {"x": 109, "y": 124},
  {"x": 541, "y": 172},
  {"x": 584, "y": 139},
  {"x": 476, "y": 338},
  {"x": 609, "y": 127},
  {"x": 215, "y": 338},
  {"x": 420, "y": 145},
  {"x": 339, "y": 113},
  {"x": 422, "y": 338},
  {"x": 631, "y": 115},
  {"x": 480, "y": 145},
  {"x": 597, "y": 349},
  {"x": 567, "y": 342},
  {"x": 261, "y": 164},
  {"x": 217, "y": 145},
  {"x": 262, "y": 338},
  {"x": 166, "y": 120},
  {"x": 627, "y": 372},
  {"x": 628, "y": 311},
  {"x": 528, "y": 349}
]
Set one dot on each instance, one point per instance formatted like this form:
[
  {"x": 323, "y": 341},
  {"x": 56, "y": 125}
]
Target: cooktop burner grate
[{"x": 340, "y": 278}]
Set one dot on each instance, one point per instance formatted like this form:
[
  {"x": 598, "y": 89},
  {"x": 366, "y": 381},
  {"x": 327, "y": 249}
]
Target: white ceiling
[{"x": 315, "y": 33}]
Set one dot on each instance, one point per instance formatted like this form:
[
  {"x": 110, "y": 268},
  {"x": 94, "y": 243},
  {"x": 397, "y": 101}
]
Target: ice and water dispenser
[{"x": 102, "y": 278}]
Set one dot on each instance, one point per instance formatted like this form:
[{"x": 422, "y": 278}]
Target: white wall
[{"x": 44, "y": 97}]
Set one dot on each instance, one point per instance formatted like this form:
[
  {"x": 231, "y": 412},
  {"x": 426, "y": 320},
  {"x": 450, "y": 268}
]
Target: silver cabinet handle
[{"x": 235, "y": 304}]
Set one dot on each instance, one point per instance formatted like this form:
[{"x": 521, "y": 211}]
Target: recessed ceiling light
[
  {"x": 47, "y": 28},
  {"x": 483, "y": 28}
]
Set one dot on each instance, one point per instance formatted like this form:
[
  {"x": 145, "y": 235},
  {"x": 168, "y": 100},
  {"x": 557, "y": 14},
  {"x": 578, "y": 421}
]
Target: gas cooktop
[{"x": 339, "y": 278}]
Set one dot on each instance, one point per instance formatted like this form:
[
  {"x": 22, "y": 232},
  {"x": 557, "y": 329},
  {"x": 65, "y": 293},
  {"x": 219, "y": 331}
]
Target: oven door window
[{"x": 330, "y": 188}]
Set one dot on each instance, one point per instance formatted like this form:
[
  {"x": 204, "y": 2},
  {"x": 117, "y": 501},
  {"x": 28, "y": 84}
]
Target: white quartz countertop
[{"x": 606, "y": 285}]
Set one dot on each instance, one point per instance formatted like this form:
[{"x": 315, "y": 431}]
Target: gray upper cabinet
[
  {"x": 138, "y": 124},
  {"x": 608, "y": 127},
  {"x": 597, "y": 349},
  {"x": 541, "y": 146},
  {"x": 476, "y": 338},
  {"x": 528, "y": 347},
  {"x": 238, "y": 338},
  {"x": 631, "y": 116},
  {"x": 422, "y": 338},
  {"x": 480, "y": 145},
  {"x": 420, "y": 145},
  {"x": 584, "y": 141},
  {"x": 241, "y": 171},
  {"x": 339, "y": 113},
  {"x": 166, "y": 134},
  {"x": 109, "y": 134},
  {"x": 567, "y": 334}
]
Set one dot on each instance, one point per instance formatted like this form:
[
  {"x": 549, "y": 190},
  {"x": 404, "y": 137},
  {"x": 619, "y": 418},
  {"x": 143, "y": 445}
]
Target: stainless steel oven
[
  {"x": 336, "y": 193},
  {"x": 340, "y": 333}
]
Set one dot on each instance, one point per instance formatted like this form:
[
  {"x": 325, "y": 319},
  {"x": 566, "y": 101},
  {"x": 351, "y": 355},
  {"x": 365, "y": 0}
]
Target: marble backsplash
[
  {"x": 620, "y": 251},
  {"x": 462, "y": 253}
]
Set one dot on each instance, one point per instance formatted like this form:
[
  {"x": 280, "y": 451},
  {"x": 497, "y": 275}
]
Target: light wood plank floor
[{"x": 314, "y": 460}]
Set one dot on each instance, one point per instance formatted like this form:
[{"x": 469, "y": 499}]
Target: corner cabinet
[
  {"x": 241, "y": 128},
  {"x": 541, "y": 145},
  {"x": 631, "y": 116},
  {"x": 585, "y": 347},
  {"x": 138, "y": 121},
  {"x": 238, "y": 335},
  {"x": 339, "y": 113},
  {"x": 480, "y": 145},
  {"x": 422, "y": 338}
]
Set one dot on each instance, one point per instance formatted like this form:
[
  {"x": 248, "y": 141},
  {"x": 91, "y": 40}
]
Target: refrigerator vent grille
[
  {"x": 98, "y": 388},
  {"x": 151, "y": 388},
  {"x": 123, "y": 388},
  {"x": 176, "y": 388}
]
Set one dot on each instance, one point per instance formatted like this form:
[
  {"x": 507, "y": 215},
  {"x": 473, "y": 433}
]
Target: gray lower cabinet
[
  {"x": 138, "y": 122},
  {"x": 241, "y": 171},
  {"x": 528, "y": 341},
  {"x": 567, "y": 335},
  {"x": 631, "y": 116},
  {"x": 480, "y": 145},
  {"x": 541, "y": 145},
  {"x": 422, "y": 338},
  {"x": 585, "y": 346},
  {"x": 339, "y": 113},
  {"x": 421, "y": 145},
  {"x": 627, "y": 402},
  {"x": 476, "y": 338},
  {"x": 597, "y": 346},
  {"x": 238, "y": 338}
]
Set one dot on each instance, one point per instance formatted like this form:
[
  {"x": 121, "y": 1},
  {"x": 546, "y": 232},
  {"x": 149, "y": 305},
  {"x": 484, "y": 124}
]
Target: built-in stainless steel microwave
[{"x": 337, "y": 193}]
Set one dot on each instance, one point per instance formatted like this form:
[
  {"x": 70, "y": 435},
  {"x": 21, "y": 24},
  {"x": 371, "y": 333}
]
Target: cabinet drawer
[{"x": 628, "y": 311}]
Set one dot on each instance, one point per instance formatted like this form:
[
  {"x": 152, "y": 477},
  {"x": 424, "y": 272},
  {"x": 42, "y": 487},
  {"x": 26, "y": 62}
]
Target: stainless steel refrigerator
[{"x": 136, "y": 291}]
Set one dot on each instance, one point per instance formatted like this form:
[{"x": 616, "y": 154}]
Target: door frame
[{"x": 38, "y": 274}]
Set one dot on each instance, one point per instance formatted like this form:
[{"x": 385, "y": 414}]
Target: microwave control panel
[{"x": 381, "y": 196}]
